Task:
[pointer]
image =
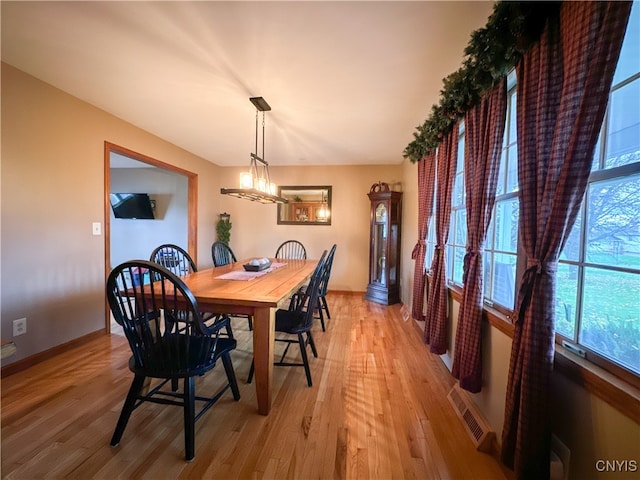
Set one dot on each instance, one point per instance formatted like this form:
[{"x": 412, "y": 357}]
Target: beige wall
[
  {"x": 586, "y": 424},
  {"x": 52, "y": 168},
  {"x": 255, "y": 231},
  {"x": 409, "y": 228}
]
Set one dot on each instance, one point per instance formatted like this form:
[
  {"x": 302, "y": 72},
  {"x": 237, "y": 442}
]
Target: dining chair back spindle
[
  {"x": 291, "y": 249},
  {"x": 222, "y": 254},
  {"x": 174, "y": 258},
  {"x": 169, "y": 342}
]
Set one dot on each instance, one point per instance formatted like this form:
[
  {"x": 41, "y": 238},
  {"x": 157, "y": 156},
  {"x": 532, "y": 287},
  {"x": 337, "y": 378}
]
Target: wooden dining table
[{"x": 257, "y": 295}]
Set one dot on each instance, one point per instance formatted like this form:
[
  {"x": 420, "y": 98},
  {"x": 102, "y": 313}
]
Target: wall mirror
[{"x": 308, "y": 205}]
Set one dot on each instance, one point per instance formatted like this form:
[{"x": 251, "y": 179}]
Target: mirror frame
[{"x": 288, "y": 192}]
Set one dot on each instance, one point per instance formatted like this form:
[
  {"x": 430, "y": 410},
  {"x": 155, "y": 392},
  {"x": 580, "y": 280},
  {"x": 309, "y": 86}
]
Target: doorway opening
[{"x": 115, "y": 151}]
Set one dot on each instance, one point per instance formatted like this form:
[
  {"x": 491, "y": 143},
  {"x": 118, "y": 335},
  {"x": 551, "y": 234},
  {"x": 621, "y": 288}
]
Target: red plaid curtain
[
  {"x": 435, "y": 330},
  {"x": 563, "y": 86},
  {"x": 426, "y": 184},
  {"x": 484, "y": 131}
]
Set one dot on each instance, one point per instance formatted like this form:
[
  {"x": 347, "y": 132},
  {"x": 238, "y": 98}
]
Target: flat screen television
[{"x": 131, "y": 205}]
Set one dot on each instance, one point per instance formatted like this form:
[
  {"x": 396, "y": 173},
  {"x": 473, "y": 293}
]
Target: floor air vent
[{"x": 475, "y": 425}]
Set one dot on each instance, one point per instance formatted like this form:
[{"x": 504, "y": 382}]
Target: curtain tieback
[
  {"x": 438, "y": 253},
  {"x": 541, "y": 268},
  {"x": 420, "y": 245},
  {"x": 535, "y": 268},
  {"x": 467, "y": 260}
]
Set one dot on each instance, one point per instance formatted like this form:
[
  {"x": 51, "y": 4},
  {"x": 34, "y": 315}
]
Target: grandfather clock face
[{"x": 381, "y": 213}]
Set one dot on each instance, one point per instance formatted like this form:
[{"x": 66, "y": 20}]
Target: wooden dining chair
[
  {"x": 174, "y": 258},
  {"x": 292, "y": 249},
  {"x": 178, "y": 261},
  {"x": 222, "y": 255},
  {"x": 297, "y": 321},
  {"x": 169, "y": 342},
  {"x": 324, "y": 285}
]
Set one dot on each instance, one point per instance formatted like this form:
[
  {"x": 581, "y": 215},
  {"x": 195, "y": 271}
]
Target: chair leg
[
  {"x": 319, "y": 307},
  {"x": 326, "y": 306},
  {"x": 305, "y": 360},
  {"x": 189, "y": 418},
  {"x": 127, "y": 408},
  {"x": 312, "y": 343},
  {"x": 250, "y": 378},
  {"x": 250, "y": 320},
  {"x": 231, "y": 375},
  {"x": 228, "y": 327}
]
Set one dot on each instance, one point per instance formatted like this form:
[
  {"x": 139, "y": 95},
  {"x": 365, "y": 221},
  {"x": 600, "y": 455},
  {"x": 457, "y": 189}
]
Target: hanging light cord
[{"x": 263, "y": 135}]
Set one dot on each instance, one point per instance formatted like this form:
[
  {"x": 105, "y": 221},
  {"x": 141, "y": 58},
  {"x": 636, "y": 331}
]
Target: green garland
[{"x": 491, "y": 53}]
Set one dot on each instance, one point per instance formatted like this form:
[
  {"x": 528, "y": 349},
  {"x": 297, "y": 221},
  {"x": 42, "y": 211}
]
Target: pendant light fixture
[{"x": 256, "y": 185}]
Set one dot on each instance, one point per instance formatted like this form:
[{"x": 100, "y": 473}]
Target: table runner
[{"x": 246, "y": 276}]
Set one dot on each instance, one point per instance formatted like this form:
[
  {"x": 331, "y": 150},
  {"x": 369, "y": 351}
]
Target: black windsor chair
[
  {"x": 222, "y": 255},
  {"x": 169, "y": 342},
  {"x": 173, "y": 258},
  {"x": 178, "y": 261},
  {"x": 292, "y": 249},
  {"x": 324, "y": 284},
  {"x": 298, "y": 320}
]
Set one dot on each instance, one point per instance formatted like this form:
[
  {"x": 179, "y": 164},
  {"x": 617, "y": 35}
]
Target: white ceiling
[{"x": 347, "y": 82}]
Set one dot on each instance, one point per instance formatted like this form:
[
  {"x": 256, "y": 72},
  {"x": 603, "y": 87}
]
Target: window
[
  {"x": 431, "y": 240},
  {"x": 598, "y": 288},
  {"x": 500, "y": 257},
  {"x": 457, "y": 241}
]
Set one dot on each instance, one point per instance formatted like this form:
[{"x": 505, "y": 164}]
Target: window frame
[
  {"x": 598, "y": 174},
  {"x": 451, "y": 244},
  {"x": 509, "y": 141}
]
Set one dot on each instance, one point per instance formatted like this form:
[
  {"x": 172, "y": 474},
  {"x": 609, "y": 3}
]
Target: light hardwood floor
[{"x": 377, "y": 410}]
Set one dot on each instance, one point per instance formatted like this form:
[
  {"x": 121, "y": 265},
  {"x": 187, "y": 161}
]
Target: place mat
[{"x": 246, "y": 276}]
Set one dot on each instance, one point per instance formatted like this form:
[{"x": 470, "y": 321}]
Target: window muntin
[{"x": 598, "y": 284}]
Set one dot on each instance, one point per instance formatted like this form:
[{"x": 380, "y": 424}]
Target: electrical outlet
[
  {"x": 19, "y": 327},
  {"x": 96, "y": 228}
]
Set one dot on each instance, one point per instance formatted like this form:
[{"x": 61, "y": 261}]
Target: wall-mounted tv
[{"x": 131, "y": 205}]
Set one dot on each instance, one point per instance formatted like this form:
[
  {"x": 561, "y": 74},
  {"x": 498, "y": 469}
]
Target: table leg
[{"x": 263, "y": 348}]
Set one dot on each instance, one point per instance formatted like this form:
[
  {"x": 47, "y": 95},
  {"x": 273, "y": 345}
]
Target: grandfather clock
[{"x": 384, "y": 245}]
